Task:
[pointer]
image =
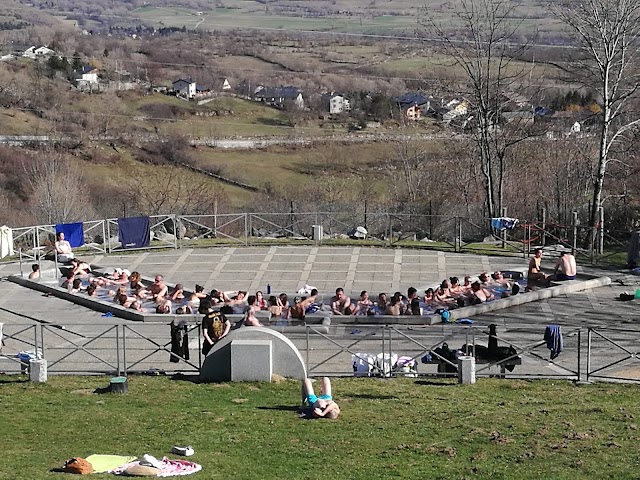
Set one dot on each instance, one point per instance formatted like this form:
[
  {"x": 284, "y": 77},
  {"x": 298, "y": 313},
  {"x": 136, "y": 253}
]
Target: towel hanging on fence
[
  {"x": 6, "y": 241},
  {"x": 504, "y": 223},
  {"x": 73, "y": 233},
  {"x": 134, "y": 232},
  {"x": 553, "y": 337},
  {"x": 179, "y": 341}
]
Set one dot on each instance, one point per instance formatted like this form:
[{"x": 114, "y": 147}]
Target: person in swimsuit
[
  {"x": 63, "y": 248},
  {"x": 322, "y": 406},
  {"x": 299, "y": 308},
  {"x": 566, "y": 268},
  {"x": 535, "y": 276}
]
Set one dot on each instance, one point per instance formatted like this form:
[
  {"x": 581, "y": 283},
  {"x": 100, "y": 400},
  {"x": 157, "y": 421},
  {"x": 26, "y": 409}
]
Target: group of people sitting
[
  {"x": 128, "y": 290},
  {"x": 449, "y": 294}
]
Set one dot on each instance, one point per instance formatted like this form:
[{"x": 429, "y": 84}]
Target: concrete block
[
  {"x": 38, "y": 370},
  {"x": 286, "y": 359},
  {"x": 466, "y": 370},
  {"x": 251, "y": 360}
]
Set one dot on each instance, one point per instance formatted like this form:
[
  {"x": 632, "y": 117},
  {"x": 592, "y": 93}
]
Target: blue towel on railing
[
  {"x": 504, "y": 223},
  {"x": 553, "y": 337},
  {"x": 73, "y": 233},
  {"x": 134, "y": 232}
]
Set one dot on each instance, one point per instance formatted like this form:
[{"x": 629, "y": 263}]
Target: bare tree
[
  {"x": 172, "y": 190},
  {"x": 492, "y": 78},
  {"x": 59, "y": 193},
  {"x": 607, "y": 33},
  {"x": 407, "y": 171}
]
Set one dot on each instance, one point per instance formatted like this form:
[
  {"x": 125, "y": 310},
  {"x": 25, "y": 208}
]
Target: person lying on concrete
[{"x": 322, "y": 406}]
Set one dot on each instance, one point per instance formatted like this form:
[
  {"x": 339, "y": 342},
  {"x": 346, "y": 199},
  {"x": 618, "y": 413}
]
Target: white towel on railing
[
  {"x": 363, "y": 364},
  {"x": 6, "y": 241},
  {"x": 385, "y": 363}
]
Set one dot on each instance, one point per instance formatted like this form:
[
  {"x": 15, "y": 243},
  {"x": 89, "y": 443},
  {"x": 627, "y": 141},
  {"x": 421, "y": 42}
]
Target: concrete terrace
[
  {"x": 355, "y": 268},
  {"x": 376, "y": 270},
  {"x": 287, "y": 268}
]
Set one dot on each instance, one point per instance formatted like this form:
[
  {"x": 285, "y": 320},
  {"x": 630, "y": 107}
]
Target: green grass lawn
[{"x": 409, "y": 428}]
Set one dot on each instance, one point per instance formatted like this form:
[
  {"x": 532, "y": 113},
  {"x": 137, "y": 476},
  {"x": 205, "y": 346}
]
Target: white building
[
  {"x": 38, "y": 52},
  {"x": 339, "y": 104},
  {"x": 184, "y": 88},
  {"x": 87, "y": 77}
]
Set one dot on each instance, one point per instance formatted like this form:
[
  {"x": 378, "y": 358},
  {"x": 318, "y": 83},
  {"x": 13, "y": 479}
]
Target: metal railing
[
  {"x": 115, "y": 349},
  {"x": 601, "y": 353},
  {"x": 333, "y": 354},
  {"x": 619, "y": 353},
  {"x": 455, "y": 233}
]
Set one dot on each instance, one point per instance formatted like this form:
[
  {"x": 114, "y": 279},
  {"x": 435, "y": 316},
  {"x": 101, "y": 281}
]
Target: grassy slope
[
  {"x": 286, "y": 168},
  {"x": 15, "y": 122},
  {"x": 392, "y": 16},
  {"x": 388, "y": 429}
]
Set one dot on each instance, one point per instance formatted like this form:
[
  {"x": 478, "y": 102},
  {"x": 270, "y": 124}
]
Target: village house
[
  {"x": 185, "y": 88},
  {"x": 280, "y": 96},
  {"x": 86, "y": 77},
  {"x": 413, "y": 105},
  {"x": 339, "y": 104},
  {"x": 564, "y": 124},
  {"x": 38, "y": 52},
  {"x": 455, "y": 109}
]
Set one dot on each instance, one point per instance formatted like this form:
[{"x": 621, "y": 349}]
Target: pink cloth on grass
[{"x": 168, "y": 468}]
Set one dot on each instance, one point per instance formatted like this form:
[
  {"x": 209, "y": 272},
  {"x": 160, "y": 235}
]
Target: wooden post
[
  {"x": 574, "y": 222},
  {"x": 503, "y": 234},
  {"x": 543, "y": 212}
]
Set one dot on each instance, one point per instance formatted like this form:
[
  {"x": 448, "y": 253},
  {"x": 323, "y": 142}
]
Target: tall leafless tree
[
  {"x": 492, "y": 79},
  {"x": 607, "y": 33}
]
